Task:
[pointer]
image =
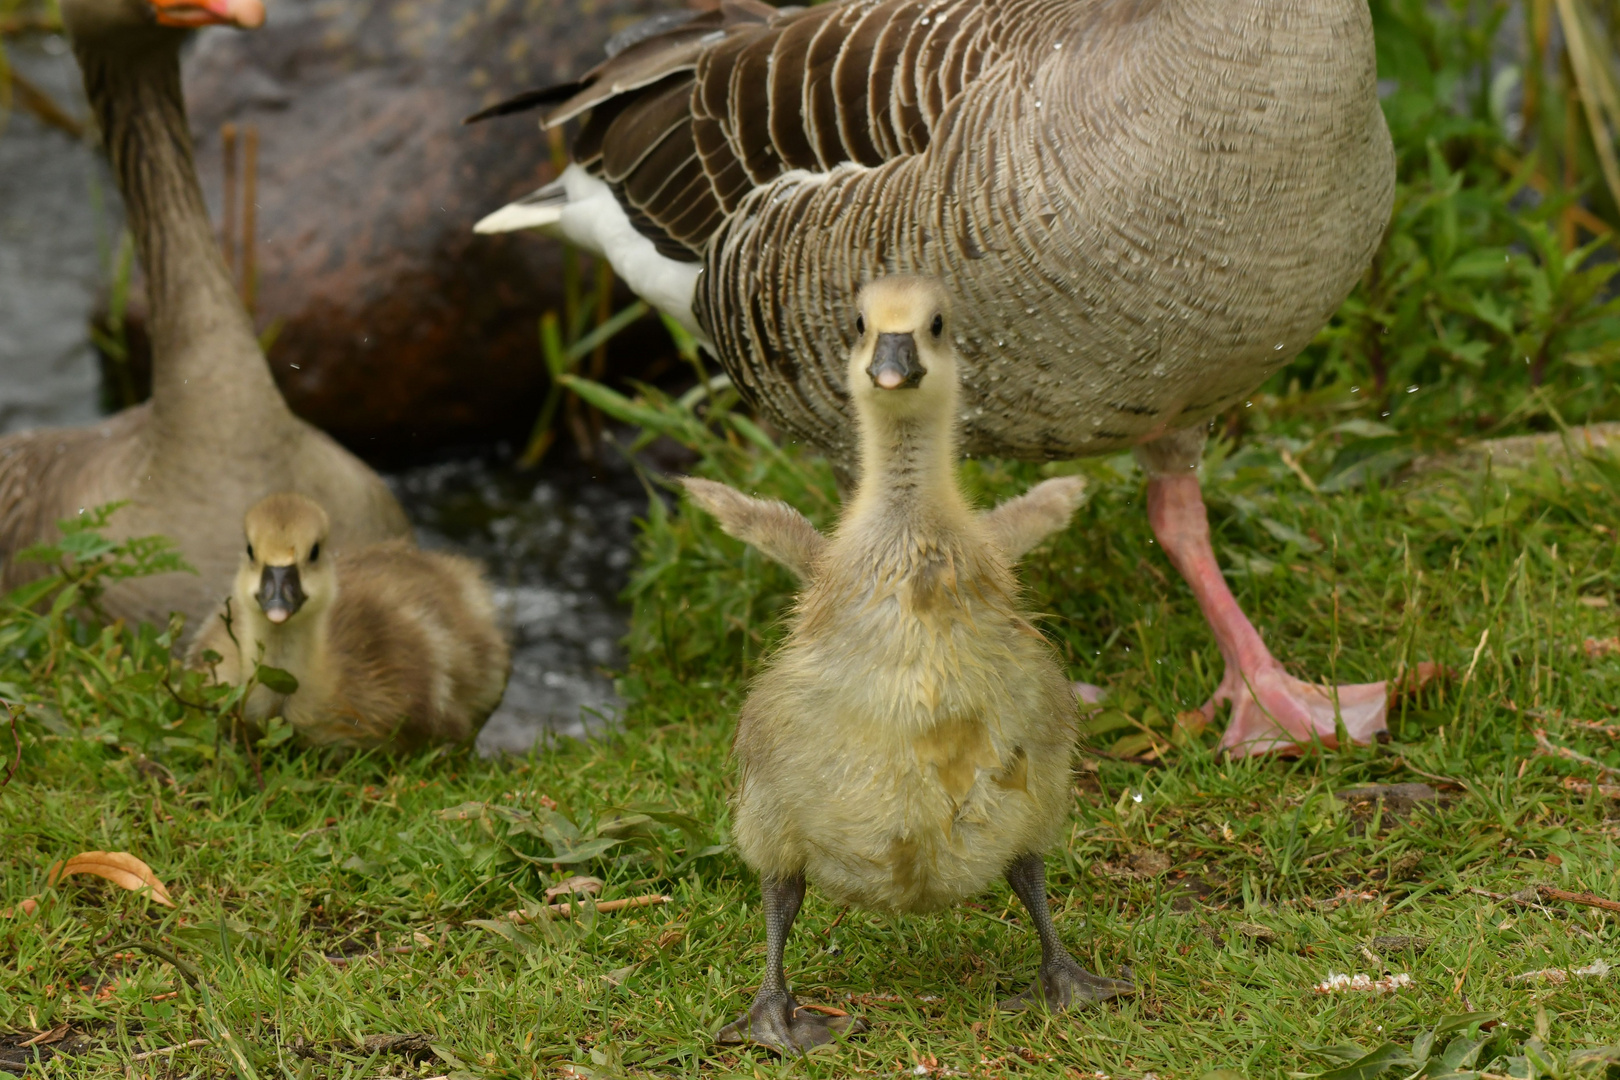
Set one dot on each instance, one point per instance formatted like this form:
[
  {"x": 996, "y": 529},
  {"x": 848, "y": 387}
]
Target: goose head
[
  {"x": 903, "y": 364},
  {"x": 92, "y": 20},
  {"x": 285, "y": 572}
]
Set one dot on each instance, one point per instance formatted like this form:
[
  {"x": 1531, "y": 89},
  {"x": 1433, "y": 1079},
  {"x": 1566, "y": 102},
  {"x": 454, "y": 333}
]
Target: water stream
[{"x": 558, "y": 543}]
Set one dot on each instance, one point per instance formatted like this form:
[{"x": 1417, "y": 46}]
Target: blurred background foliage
[{"x": 1490, "y": 306}]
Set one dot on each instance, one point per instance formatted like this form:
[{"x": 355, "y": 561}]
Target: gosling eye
[
  {"x": 938, "y": 327},
  {"x": 315, "y": 552},
  {"x": 860, "y": 325},
  {"x": 250, "y": 551}
]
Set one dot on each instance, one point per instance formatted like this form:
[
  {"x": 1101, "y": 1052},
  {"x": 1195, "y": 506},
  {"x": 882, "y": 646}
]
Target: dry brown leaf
[
  {"x": 578, "y": 884},
  {"x": 1417, "y": 677},
  {"x": 24, "y": 907},
  {"x": 1598, "y": 648},
  {"x": 45, "y": 1038},
  {"x": 119, "y": 867}
]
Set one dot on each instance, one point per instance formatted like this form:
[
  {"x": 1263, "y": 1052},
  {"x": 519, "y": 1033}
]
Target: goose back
[{"x": 1145, "y": 207}]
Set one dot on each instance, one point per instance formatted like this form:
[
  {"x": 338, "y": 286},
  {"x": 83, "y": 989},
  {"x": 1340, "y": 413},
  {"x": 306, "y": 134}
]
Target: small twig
[
  {"x": 169, "y": 686},
  {"x": 834, "y": 924},
  {"x": 1409, "y": 767},
  {"x": 1546, "y": 748},
  {"x": 393, "y": 950},
  {"x": 1611, "y": 730},
  {"x": 1586, "y": 899},
  {"x": 189, "y": 1044},
  {"x": 1298, "y": 470},
  {"x": 44, "y": 108},
  {"x": 604, "y": 907},
  {"x": 186, "y": 971},
  {"x": 305, "y": 836},
  {"x": 1583, "y": 787}
]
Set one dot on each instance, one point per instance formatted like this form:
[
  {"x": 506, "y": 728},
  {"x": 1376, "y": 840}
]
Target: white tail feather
[{"x": 519, "y": 215}]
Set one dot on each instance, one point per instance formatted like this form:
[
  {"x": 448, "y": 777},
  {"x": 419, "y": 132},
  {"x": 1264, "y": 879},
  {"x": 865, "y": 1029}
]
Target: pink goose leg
[{"x": 1271, "y": 710}]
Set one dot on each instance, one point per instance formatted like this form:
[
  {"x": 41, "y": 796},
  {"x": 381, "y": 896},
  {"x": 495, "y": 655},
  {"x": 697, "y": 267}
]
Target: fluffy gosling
[
  {"x": 911, "y": 740},
  {"x": 391, "y": 646}
]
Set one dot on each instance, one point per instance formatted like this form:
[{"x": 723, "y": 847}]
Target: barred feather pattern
[{"x": 1144, "y": 207}]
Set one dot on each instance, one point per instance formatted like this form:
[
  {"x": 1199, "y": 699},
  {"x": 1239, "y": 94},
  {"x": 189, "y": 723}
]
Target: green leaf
[
  {"x": 1370, "y": 1065},
  {"x": 275, "y": 679},
  {"x": 279, "y": 732}
]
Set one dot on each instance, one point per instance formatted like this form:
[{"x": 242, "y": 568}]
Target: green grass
[{"x": 1229, "y": 888}]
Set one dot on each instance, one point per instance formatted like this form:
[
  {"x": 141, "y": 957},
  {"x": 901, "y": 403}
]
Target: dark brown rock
[{"x": 397, "y": 325}]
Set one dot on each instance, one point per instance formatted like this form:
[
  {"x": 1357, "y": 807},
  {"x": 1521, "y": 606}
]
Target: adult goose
[
  {"x": 1145, "y": 207},
  {"x": 216, "y": 435}
]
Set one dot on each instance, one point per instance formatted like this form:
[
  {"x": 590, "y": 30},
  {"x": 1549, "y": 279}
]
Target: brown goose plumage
[
  {"x": 216, "y": 435},
  {"x": 1146, "y": 206}
]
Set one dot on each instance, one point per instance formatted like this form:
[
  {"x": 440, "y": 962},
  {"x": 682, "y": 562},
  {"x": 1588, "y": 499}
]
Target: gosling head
[
  {"x": 903, "y": 363},
  {"x": 285, "y": 570}
]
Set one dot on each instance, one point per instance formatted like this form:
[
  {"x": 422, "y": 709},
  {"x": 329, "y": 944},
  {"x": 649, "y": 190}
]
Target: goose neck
[{"x": 208, "y": 370}]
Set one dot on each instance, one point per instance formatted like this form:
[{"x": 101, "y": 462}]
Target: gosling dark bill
[
  {"x": 895, "y": 365},
  {"x": 281, "y": 593}
]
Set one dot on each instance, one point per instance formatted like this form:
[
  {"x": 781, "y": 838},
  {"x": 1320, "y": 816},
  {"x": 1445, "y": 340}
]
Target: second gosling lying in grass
[
  {"x": 910, "y": 743},
  {"x": 391, "y": 646}
]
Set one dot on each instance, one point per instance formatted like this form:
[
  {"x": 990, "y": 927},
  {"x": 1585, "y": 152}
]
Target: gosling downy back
[{"x": 390, "y": 645}]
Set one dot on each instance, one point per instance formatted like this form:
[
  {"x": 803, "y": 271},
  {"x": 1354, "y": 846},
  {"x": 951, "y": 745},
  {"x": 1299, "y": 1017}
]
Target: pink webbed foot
[{"x": 1272, "y": 710}]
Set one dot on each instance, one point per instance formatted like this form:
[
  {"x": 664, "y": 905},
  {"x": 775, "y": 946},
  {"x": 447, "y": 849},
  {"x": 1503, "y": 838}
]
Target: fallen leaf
[
  {"x": 45, "y": 1038},
  {"x": 119, "y": 867},
  {"x": 1598, "y": 648},
  {"x": 1597, "y": 969},
  {"x": 24, "y": 907},
  {"x": 1593, "y": 601},
  {"x": 1417, "y": 677},
  {"x": 579, "y": 884}
]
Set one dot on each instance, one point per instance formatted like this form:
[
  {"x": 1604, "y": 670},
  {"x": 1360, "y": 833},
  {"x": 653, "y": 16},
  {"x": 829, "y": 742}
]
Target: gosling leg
[
  {"x": 1062, "y": 982},
  {"x": 775, "y": 1019}
]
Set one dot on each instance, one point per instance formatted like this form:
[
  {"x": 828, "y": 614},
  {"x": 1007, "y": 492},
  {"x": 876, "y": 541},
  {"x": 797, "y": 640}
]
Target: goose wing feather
[{"x": 746, "y": 92}]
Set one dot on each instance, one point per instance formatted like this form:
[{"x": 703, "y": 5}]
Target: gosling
[
  {"x": 391, "y": 646},
  {"x": 910, "y": 742}
]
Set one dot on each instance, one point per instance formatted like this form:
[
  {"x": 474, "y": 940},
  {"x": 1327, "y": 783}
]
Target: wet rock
[{"x": 395, "y": 323}]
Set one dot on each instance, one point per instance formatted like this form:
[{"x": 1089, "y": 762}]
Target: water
[
  {"x": 558, "y": 548},
  {"x": 558, "y": 544}
]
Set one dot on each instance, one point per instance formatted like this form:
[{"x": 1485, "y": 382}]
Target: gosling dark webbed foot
[
  {"x": 782, "y": 1024},
  {"x": 1064, "y": 984}
]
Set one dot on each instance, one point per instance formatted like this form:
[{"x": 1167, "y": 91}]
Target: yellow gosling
[
  {"x": 910, "y": 742},
  {"x": 391, "y": 646}
]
